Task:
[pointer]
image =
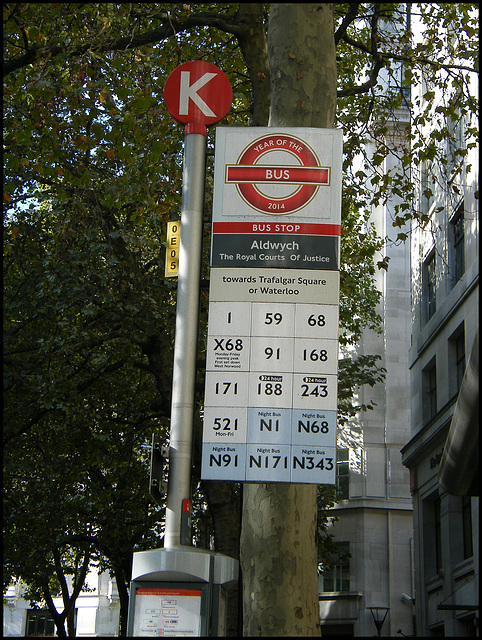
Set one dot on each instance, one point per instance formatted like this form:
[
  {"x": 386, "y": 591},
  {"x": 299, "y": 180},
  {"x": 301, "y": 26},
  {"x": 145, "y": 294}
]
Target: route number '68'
[{"x": 316, "y": 321}]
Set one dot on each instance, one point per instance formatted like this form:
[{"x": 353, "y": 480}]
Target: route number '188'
[{"x": 270, "y": 385}]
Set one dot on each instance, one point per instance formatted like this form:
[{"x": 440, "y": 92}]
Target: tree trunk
[
  {"x": 302, "y": 61},
  {"x": 123, "y": 581},
  {"x": 278, "y": 536},
  {"x": 279, "y": 560}
]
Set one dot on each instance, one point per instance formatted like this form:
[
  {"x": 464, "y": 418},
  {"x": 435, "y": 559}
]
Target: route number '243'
[{"x": 317, "y": 390}]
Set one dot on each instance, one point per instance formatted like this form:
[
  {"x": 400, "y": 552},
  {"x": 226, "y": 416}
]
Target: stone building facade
[{"x": 444, "y": 349}]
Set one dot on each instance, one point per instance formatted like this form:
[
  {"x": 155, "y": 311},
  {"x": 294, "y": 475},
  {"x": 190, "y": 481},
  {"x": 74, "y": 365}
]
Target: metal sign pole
[
  {"x": 185, "y": 345},
  {"x": 197, "y": 94}
]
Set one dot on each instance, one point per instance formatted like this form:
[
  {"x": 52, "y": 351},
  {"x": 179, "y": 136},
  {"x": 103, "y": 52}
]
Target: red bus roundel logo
[{"x": 278, "y": 174}]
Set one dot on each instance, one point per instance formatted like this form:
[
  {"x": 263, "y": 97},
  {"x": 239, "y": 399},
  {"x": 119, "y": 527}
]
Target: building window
[
  {"x": 455, "y": 144},
  {"x": 437, "y": 536},
  {"x": 336, "y": 577},
  {"x": 432, "y": 536},
  {"x": 437, "y": 631},
  {"x": 467, "y": 526},
  {"x": 427, "y": 196},
  {"x": 39, "y": 623},
  {"x": 429, "y": 391},
  {"x": 342, "y": 474},
  {"x": 460, "y": 359},
  {"x": 429, "y": 286},
  {"x": 456, "y": 360},
  {"x": 457, "y": 244}
]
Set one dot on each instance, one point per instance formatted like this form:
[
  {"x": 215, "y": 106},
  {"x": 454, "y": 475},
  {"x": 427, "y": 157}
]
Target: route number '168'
[{"x": 315, "y": 355}]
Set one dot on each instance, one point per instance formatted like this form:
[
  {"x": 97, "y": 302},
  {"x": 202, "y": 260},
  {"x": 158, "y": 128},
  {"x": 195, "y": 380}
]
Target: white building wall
[
  {"x": 97, "y": 610},
  {"x": 377, "y": 519},
  {"x": 455, "y": 580}
]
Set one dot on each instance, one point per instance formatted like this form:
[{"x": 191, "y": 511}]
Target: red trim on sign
[
  {"x": 160, "y": 591},
  {"x": 296, "y": 228},
  {"x": 280, "y": 175}
]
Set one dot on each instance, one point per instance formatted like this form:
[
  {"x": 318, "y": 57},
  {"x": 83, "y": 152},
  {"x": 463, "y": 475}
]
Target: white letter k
[{"x": 190, "y": 91}]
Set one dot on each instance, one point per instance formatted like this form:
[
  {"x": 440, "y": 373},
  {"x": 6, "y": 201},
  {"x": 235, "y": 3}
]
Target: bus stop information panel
[{"x": 272, "y": 345}]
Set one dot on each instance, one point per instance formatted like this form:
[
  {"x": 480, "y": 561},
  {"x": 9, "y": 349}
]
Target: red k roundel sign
[{"x": 197, "y": 94}]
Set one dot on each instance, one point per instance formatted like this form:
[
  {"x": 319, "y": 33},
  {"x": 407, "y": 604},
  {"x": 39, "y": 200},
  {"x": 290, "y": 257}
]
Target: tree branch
[
  {"x": 350, "y": 16},
  {"x": 171, "y": 26},
  {"x": 366, "y": 86},
  {"x": 410, "y": 59}
]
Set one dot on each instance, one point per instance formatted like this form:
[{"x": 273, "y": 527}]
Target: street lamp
[{"x": 377, "y": 613}]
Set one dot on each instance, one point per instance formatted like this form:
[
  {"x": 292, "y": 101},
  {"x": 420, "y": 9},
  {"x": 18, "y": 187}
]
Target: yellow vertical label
[{"x": 172, "y": 249}]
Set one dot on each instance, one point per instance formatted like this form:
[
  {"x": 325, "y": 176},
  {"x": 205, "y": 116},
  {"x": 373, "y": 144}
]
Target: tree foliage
[{"x": 92, "y": 171}]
